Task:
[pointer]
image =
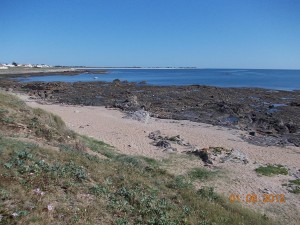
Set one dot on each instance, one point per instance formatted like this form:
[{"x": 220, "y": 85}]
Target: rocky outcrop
[{"x": 267, "y": 113}]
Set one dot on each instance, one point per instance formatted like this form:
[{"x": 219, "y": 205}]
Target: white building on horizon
[
  {"x": 3, "y": 67},
  {"x": 28, "y": 65}
]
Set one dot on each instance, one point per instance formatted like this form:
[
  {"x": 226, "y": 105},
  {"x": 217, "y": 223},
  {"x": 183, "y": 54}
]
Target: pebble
[{"x": 50, "y": 207}]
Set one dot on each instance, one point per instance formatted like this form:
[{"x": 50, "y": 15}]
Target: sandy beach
[{"x": 131, "y": 137}]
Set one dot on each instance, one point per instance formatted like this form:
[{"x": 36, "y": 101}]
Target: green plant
[
  {"x": 149, "y": 161},
  {"x": 121, "y": 221},
  {"x": 133, "y": 161},
  {"x": 296, "y": 182},
  {"x": 271, "y": 170},
  {"x": 4, "y": 194},
  {"x": 208, "y": 193},
  {"x": 201, "y": 174},
  {"x": 8, "y": 120},
  {"x": 98, "y": 146},
  {"x": 3, "y": 111},
  {"x": 179, "y": 182},
  {"x": 98, "y": 190},
  {"x": 293, "y": 186},
  {"x": 217, "y": 150},
  {"x": 295, "y": 190}
]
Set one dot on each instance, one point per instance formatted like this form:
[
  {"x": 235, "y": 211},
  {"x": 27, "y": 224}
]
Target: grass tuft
[
  {"x": 272, "y": 170},
  {"x": 297, "y": 182},
  {"x": 201, "y": 174},
  {"x": 293, "y": 186}
]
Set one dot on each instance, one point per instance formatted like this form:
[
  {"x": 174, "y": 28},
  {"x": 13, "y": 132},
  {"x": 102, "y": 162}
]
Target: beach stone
[
  {"x": 41, "y": 94},
  {"x": 252, "y": 133},
  {"x": 116, "y": 82},
  {"x": 140, "y": 115},
  {"x": 170, "y": 150},
  {"x": 163, "y": 144},
  {"x": 292, "y": 128},
  {"x": 297, "y": 104},
  {"x": 155, "y": 135},
  {"x": 296, "y": 174},
  {"x": 265, "y": 191},
  {"x": 133, "y": 100},
  {"x": 236, "y": 156},
  {"x": 202, "y": 154}
]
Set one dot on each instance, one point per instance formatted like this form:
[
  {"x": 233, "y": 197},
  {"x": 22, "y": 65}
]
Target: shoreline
[
  {"x": 25, "y": 72},
  {"x": 130, "y": 137},
  {"x": 44, "y": 72},
  {"x": 272, "y": 117}
]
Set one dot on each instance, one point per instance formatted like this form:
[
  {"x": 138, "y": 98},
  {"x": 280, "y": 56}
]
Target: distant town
[
  {"x": 14, "y": 64},
  {"x": 21, "y": 65}
]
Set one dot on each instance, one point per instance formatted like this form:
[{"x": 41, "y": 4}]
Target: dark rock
[
  {"x": 295, "y": 140},
  {"x": 252, "y": 133},
  {"x": 163, "y": 144},
  {"x": 293, "y": 128},
  {"x": 116, "y": 82},
  {"x": 143, "y": 82},
  {"x": 297, "y": 104},
  {"x": 41, "y": 94},
  {"x": 203, "y": 154}
]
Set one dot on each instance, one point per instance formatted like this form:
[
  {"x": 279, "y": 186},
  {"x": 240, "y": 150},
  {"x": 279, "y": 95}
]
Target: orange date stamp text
[{"x": 254, "y": 198}]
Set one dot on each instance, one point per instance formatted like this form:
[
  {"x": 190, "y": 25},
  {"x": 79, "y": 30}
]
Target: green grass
[
  {"x": 7, "y": 120},
  {"x": 98, "y": 146},
  {"x": 217, "y": 150},
  {"x": 297, "y": 182},
  {"x": 80, "y": 188},
  {"x": 271, "y": 170},
  {"x": 293, "y": 186},
  {"x": 295, "y": 190},
  {"x": 17, "y": 118},
  {"x": 202, "y": 174}
]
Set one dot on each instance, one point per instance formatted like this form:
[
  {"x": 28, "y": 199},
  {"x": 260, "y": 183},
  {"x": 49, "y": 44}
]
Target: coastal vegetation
[
  {"x": 51, "y": 175},
  {"x": 271, "y": 170},
  {"x": 202, "y": 174},
  {"x": 293, "y": 186}
]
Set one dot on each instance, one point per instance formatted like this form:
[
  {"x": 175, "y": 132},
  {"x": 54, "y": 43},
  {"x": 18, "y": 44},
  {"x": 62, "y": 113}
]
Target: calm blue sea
[{"x": 269, "y": 79}]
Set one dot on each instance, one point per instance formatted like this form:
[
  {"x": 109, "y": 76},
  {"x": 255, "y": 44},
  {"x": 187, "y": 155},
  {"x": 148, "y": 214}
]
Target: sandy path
[{"x": 131, "y": 137}]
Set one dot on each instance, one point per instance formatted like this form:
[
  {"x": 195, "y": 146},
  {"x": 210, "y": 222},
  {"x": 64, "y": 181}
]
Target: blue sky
[{"x": 206, "y": 34}]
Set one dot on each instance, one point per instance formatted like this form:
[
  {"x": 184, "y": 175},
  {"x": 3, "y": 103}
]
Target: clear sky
[{"x": 202, "y": 33}]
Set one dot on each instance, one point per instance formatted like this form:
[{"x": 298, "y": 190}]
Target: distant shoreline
[
  {"x": 231, "y": 78},
  {"x": 23, "y": 71}
]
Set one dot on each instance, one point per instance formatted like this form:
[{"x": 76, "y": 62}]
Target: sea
[{"x": 253, "y": 78}]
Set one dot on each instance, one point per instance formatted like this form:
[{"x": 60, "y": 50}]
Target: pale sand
[{"x": 131, "y": 137}]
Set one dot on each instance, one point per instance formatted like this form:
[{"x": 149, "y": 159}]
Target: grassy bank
[{"x": 51, "y": 175}]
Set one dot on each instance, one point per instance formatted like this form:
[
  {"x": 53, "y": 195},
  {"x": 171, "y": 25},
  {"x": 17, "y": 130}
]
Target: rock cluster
[
  {"x": 139, "y": 115},
  {"x": 161, "y": 142},
  {"x": 220, "y": 154}
]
